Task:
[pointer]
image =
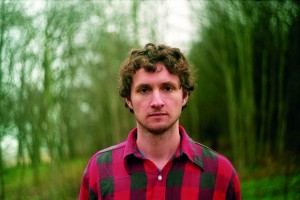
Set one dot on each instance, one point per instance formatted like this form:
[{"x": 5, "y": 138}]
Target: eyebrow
[
  {"x": 174, "y": 84},
  {"x": 170, "y": 83},
  {"x": 142, "y": 85}
]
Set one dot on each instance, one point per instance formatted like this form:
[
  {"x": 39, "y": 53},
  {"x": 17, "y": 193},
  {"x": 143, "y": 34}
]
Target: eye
[
  {"x": 143, "y": 90},
  {"x": 168, "y": 88}
]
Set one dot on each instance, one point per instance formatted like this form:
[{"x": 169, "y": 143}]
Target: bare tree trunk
[
  {"x": 282, "y": 105},
  {"x": 246, "y": 89},
  {"x": 263, "y": 104},
  {"x": 2, "y": 29},
  {"x": 135, "y": 9},
  {"x": 2, "y": 182}
]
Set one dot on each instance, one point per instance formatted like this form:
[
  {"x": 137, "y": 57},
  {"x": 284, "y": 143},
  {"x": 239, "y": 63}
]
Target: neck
[{"x": 159, "y": 148}]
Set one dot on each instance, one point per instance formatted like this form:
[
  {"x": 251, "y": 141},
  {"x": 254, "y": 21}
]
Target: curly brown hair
[{"x": 147, "y": 57}]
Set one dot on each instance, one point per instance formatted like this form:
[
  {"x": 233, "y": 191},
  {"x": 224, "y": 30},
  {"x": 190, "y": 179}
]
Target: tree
[
  {"x": 247, "y": 43},
  {"x": 11, "y": 23}
]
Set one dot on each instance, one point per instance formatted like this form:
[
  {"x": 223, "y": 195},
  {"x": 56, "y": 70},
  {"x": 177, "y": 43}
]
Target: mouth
[{"x": 157, "y": 114}]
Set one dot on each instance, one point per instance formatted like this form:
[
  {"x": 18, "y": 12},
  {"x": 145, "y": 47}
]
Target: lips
[{"x": 157, "y": 114}]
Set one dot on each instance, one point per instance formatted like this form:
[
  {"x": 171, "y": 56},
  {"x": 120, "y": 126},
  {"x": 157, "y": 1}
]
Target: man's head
[{"x": 147, "y": 58}]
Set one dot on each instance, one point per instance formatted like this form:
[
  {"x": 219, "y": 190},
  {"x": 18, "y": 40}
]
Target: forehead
[{"x": 159, "y": 76}]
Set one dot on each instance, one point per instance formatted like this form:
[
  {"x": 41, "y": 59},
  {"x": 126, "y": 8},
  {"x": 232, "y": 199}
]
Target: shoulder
[
  {"x": 210, "y": 156},
  {"x": 225, "y": 176},
  {"x": 100, "y": 160},
  {"x": 206, "y": 152},
  {"x": 108, "y": 154},
  {"x": 112, "y": 148}
]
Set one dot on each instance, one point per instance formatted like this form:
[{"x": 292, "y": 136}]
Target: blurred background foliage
[{"x": 59, "y": 102}]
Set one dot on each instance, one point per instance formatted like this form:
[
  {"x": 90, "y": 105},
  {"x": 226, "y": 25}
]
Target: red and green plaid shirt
[{"x": 194, "y": 172}]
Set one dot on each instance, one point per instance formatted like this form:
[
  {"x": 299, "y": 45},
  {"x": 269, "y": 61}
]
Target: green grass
[
  {"x": 272, "y": 187},
  {"x": 62, "y": 181}
]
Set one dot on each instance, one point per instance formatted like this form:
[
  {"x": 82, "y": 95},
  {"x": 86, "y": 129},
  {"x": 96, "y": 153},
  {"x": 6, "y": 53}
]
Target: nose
[{"x": 157, "y": 100}]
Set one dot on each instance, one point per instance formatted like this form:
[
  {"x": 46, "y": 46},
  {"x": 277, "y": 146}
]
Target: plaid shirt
[{"x": 195, "y": 172}]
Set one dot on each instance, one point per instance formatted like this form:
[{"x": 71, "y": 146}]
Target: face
[{"x": 156, "y": 99}]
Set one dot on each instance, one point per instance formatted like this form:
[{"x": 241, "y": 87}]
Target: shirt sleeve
[
  {"x": 88, "y": 188},
  {"x": 227, "y": 184},
  {"x": 234, "y": 190}
]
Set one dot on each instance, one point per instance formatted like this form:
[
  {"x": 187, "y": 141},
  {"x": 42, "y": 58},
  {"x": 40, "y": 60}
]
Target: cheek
[{"x": 138, "y": 104}]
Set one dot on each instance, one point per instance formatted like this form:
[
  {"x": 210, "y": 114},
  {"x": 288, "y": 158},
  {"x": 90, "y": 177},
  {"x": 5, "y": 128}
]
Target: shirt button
[{"x": 159, "y": 177}]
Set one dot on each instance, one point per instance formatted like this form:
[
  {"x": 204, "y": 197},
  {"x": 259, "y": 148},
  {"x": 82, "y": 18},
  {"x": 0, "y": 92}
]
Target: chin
[{"x": 159, "y": 130}]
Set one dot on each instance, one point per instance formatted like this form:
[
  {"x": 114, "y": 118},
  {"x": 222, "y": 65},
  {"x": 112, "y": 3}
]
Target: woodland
[{"x": 59, "y": 100}]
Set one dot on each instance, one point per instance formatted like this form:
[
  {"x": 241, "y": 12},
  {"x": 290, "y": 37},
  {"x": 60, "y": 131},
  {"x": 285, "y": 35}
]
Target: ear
[
  {"x": 185, "y": 98},
  {"x": 128, "y": 102}
]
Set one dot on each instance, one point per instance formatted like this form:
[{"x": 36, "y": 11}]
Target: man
[{"x": 158, "y": 160}]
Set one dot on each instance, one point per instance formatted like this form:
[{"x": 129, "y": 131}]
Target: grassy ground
[
  {"x": 63, "y": 180},
  {"x": 273, "y": 187}
]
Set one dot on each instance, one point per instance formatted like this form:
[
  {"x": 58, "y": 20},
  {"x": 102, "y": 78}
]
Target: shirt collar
[
  {"x": 187, "y": 147},
  {"x": 130, "y": 148}
]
